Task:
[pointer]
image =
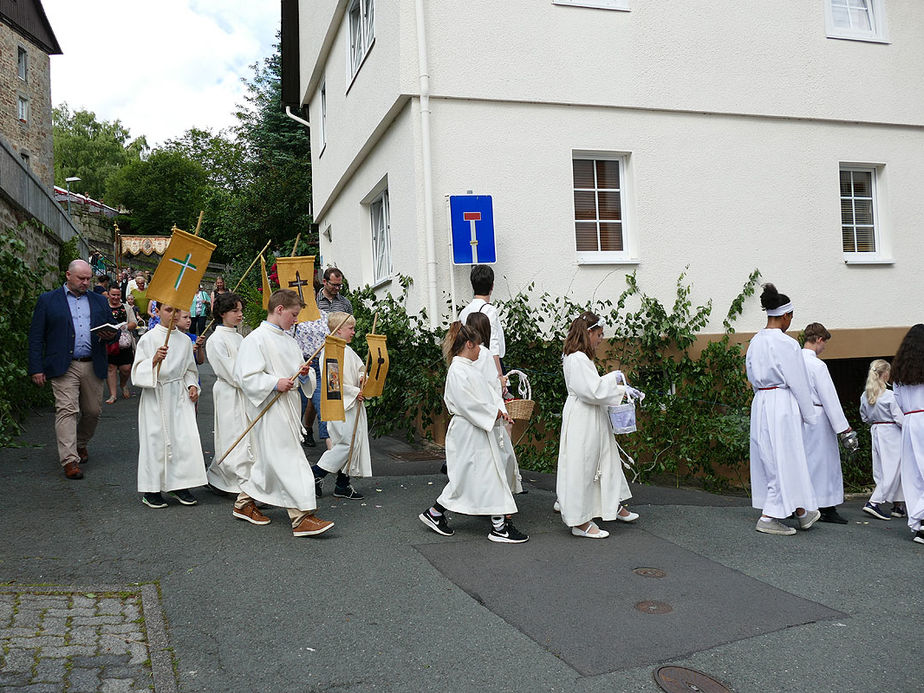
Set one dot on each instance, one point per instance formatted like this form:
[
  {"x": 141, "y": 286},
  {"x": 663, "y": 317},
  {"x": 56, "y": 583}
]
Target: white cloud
[{"x": 160, "y": 68}]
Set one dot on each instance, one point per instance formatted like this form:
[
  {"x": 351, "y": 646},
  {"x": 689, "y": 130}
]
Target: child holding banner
[
  {"x": 265, "y": 362},
  {"x": 169, "y": 450},
  {"x": 337, "y": 458}
]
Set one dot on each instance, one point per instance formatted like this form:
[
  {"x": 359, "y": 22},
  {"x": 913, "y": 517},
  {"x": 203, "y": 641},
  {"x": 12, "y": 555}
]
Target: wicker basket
[{"x": 522, "y": 407}]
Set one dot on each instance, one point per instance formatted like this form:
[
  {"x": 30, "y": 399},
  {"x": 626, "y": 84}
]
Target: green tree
[
  {"x": 166, "y": 189},
  {"x": 91, "y": 149}
]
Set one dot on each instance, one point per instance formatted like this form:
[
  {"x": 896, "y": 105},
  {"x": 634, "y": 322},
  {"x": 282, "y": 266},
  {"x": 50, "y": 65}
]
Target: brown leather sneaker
[
  {"x": 311, "y": 526},
  {"x": 72, "y": 471},
  {"x": 250, "y": 513}
]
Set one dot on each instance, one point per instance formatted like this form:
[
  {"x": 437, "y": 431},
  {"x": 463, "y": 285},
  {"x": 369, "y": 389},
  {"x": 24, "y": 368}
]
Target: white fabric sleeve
[
  {"x": 143, "y": 374},
  {"x": 582, "y": 378},
  {"x": 827, "y": 396},
  {"x": 464, "y": 398},
  {"x": 218, "y": 353},
  {"x": 250, "y": 371},
  {"x": 865, "y": 409},
  {"x": 795, "y": 375}
]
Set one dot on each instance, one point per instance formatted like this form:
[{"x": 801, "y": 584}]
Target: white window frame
[
  {"x": 360, "y": 19},
  {"x": 380, "y": 228},
  {"x": 878, "y": 32},
  {"x": 23, "y": 108},
  {"x": 323, "y": 100},
  {"x": 22, "y": 63},
  {"x": 621, "y": 5},
  {"x": 605, "y": 257},
  {"x": 882, "y": 252}
]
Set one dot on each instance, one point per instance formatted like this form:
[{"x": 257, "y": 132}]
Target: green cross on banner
[{"x": 184, "y": 265}]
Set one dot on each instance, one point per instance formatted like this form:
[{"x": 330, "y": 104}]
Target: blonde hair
[
  {"x": 337, "y": 319},
  {"x": 876, "y": 380}
]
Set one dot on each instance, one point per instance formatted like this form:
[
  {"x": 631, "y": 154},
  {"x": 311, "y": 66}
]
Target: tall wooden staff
[
  {"x": 375, "y": 321},
  {"x": 239, "y": 281},
  {"x": 278, "y": 395},
  {"x": 295, "y": 245}
]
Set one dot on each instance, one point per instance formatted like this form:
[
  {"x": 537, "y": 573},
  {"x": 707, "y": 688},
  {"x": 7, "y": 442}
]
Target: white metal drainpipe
[
  {"x": 304, "y": 122},
  {"x": 432, "y": 304}
]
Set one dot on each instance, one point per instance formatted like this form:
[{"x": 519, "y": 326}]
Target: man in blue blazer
[{"x": 64, "y": 352}]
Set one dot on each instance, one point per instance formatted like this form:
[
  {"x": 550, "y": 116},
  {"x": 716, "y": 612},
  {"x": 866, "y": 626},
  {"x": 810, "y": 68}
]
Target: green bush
[{"x": 20, "y": 285}]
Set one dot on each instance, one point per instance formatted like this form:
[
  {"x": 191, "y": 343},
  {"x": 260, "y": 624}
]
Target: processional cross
[
  {"x": 184, "y": 265},
  {"x": 298, "y": 284}
]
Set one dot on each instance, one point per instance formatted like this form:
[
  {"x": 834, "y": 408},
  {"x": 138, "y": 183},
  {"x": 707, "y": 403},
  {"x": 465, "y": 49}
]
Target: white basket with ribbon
[{"x": 622, "y": 416}]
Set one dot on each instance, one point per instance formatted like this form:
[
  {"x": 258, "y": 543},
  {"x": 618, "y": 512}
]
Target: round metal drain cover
[
  {"x": 650, "y": 572},
  {"x": 652, "y": 607},
  {"x": 681, "y": 680}
]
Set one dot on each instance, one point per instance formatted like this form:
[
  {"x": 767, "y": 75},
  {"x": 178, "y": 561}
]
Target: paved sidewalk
[{"x": 381, "y": 603}]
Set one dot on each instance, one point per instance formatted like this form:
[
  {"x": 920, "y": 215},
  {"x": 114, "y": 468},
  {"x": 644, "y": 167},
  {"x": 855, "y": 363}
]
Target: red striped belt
[
  {"x": 815, "y": 404},
  {"x": 895, "y": 423},
  {"x": 775, "y": 387},
  {"x": 915, "y": 411}
]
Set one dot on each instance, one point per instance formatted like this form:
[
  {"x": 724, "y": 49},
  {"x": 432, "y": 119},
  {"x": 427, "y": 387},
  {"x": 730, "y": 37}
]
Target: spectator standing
[
  {"x": 199, "y": 311},
  {"x": 140, "y": 294},
  {"x": 121, "y": 353},
  {"x": 102, "y": 285},
  {"x": 64, "y": 351},
  {"x": 329, "y": 297},
  {"x": 218, "y": 289}
]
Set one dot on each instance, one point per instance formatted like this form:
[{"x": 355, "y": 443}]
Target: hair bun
[{"x": 770, "y": 297}]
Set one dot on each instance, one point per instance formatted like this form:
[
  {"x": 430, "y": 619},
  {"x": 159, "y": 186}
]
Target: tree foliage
[{"x": 92, "y": 150}]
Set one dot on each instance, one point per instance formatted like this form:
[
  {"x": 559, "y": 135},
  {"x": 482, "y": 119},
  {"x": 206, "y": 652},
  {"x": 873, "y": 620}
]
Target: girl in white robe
[
  {"x": 820, "y": 438},
  {"x": 486, "y": 364},
  {"x": 266, "y": 360},
  {"x": 169, "y": 451},
  {"x": 337, "y": 458},
  {"x": 780, "y": 481},
  {"x": 908, "y": 377},
  {"x": 478, "y": 480},
  {"x": 590, "y": 481},
  {"x": 879, "y": 409}
]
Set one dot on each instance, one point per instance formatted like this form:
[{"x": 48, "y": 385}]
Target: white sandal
[
  {"x": 599, "y": 534},
  {"x": 631, "y": 517}
]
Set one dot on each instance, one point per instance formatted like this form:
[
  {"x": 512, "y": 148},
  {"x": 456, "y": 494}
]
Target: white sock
[
  {"x": 498, "y": 521},
  {"x": 434, "y": 512}
]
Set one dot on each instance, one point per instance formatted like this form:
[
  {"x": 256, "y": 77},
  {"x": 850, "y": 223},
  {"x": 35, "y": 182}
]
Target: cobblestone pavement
[{"x": 75, "y": 640}]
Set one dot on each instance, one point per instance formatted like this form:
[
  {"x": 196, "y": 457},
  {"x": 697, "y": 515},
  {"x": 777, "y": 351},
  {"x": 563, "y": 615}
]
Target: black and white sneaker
[
  {"x": 437, "y": 524},
  {"x": 184, "y": 496},
  {"x": 919, "y": 536},
  {"x": 154, "y": 500},
  {"x": 875, "y": 510},
  {"x": 508, "y": 535},
  {"x": 898, "y": 510},
  {"x": 318, "y": 489},
  {"x": 347, "y": 492}
]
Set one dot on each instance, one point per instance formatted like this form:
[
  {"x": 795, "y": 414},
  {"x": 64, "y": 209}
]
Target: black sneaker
[
  {"x": 437, "y": 524},
  {"x": 309, "y": 441},
  {"x": 347, "y": 492},
  {"x": 919, "y": 536},
  {"x": 184, "y": 496},
  {"x": 153, "y": 500},
  {"x": 508, "y": 535},
  {"x": 318, "y": 489},
  {"x": 831, "y": 515},
  {"x": 898, "y": 510}
]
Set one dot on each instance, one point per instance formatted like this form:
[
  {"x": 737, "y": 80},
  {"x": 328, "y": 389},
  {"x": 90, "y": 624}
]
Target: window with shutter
[
  {"x": 861, "y": 225},
  {"x": 599, "y": 208}
]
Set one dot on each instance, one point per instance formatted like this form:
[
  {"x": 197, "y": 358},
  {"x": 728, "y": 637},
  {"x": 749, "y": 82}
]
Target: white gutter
[
  {"x": 432, "y": 303},
  {"x": 304, "y": 122}
]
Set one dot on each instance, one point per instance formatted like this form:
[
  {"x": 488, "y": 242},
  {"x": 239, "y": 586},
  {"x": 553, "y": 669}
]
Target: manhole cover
[
  {"x": 652, "y": 607},
  {"x": 415, "y": 456},
  {"x": 650, "y": 572},
  {"x": 680, "y": 680}
]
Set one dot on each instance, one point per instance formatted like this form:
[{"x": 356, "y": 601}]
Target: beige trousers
[
  {"x": 295, "y": 515},
  {"x": 78, "y": 401}
]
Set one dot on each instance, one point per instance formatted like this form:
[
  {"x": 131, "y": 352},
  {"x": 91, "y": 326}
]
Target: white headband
[
  {"x": 780, "y": 310},
  {"x": 597, "y": 324}
]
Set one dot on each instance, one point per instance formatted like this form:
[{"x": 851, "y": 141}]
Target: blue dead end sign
[{"x": 472, "y": 220}]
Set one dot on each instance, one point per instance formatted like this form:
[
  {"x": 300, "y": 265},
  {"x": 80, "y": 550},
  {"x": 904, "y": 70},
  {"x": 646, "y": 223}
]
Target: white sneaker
[
  {"x": 810, "y": 518},
  {"x": 599, "y": 534},
  {"x": 556, "y": 507},
  {"x": 775, "y": 527},
  {"x": 631, "y": 517}
]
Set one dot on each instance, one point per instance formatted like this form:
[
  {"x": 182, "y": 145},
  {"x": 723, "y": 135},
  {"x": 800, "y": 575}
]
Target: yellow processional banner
[
  {"x": 177, "y": 277},
  {"x": 297, "y": 273},
  {"x": 332, "y": 379},
  {"x": 267, "y": 290},
  {"x": 378, "y": 365}
]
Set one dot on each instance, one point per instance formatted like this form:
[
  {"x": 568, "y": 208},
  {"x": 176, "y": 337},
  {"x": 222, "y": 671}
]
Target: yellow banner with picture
[{"x": 331, "y": 384}]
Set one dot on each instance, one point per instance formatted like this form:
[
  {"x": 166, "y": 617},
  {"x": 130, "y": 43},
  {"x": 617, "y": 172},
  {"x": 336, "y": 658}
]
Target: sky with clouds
[{"x": 160, "y": 68}]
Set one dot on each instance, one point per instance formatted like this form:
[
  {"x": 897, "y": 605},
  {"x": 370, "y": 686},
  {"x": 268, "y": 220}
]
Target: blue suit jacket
[{"x": 51, "y": 337}]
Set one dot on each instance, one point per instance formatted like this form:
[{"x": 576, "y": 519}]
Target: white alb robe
[
  {"x": 885, "y": 420},
  {"x": 590, "y": 480},
  {"x": 354, "y": 415},
  {"x": 820, "y": 438},
  {"x": 169, "y": 450},
  {"x": 911, "y": 400},
  {"x": 485, "y": 363},
  {"x": 498, "y": 345},
  {"x": 230, "y": 413},
  {"x": 780, "y": 480},
  {"x": 478, "y": 480},
  {"x": 280, "y": 474}
]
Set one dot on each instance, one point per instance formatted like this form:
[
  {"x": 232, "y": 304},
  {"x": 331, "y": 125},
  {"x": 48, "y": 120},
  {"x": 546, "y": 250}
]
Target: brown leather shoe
[
  {"x": 83, "y": 455},
  {"x": 250, "y": 513},
  {"x": 72, "y": 471},
  {"x": 311, "y": 526}
]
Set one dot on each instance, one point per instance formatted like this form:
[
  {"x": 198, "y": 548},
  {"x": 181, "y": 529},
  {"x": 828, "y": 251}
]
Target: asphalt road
[{"x": 380, "y": 603}]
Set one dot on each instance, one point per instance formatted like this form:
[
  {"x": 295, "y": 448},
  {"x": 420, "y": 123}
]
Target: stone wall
[
  {"x": 30, "y": 138},
  {"x": 40, "y": 242}
]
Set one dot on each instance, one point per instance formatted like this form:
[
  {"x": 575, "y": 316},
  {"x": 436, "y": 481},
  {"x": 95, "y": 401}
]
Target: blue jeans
[{"x": 316, "y": 398}]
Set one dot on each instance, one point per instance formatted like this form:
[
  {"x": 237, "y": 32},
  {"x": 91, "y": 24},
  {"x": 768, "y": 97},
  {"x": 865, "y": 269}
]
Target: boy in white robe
[
  {"x": 230, "y": 410},
  {"x": 478, "y": 482},
  {"x": 780, "y": 481},
  {"x": 879, "y": 409},
  {"x": 169, "y": 450},
  {"x": 280, "y": 474},
  {"x": 337, "y": 458},
  {"x": 482, "y": 278},
  {"x": 820, "y": 438}
]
